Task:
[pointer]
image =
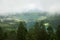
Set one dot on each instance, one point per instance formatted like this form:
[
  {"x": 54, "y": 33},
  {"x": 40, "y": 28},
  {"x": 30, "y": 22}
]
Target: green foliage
[
  {"x": 21, "y": 32},
  {"x": 58, "y": 33},
  {"x": 29, "y": 36},
  {"x": 5, "y": 36},
  {"x": 51, "y": 34},
  {"x": 1, "y": 33},
  {"x": 43, "y": 32},
  {"x": 11, "y": 35},
  {"x": 38, "y": 32}
]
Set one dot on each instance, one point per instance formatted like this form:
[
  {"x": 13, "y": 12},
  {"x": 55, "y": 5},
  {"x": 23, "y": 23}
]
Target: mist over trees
[{"x": 48, "y": 29}]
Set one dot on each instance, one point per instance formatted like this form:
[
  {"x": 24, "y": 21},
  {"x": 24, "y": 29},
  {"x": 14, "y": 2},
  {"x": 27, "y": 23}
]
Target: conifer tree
[
  {"x": 58, "y": 33},
  {"x": 1, "y": 33},
  {"x": 43, "y": 33},
  {"x": 50, "y": 32},
  {"x": 39, "y": 32},
  {"x": 22, "y": 31}
]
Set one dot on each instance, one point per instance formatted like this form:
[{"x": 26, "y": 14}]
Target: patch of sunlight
[
  {"x": 46, "y": 24},
  {"x": 42, "y": 18}
]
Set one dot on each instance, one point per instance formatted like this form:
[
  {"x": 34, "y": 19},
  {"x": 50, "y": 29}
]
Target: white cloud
[{"x": 19, "y": 5}]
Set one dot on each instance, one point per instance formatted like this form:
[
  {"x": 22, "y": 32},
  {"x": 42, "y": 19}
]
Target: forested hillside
[{"x": 32, "y": 26}]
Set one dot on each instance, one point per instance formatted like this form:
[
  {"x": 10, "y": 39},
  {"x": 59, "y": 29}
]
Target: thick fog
[{"x": 13, "y": 6}]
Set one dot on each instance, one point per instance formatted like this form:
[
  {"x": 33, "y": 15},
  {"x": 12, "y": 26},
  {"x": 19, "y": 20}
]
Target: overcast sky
[{"x": 20, "y": 5}]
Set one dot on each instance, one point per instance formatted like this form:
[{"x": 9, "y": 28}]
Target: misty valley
[
  {"x": 29, "y": 19},
  {"x": 31, "y": 25}
]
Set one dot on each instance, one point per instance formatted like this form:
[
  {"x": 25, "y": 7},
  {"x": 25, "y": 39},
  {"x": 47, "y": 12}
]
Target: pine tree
[
  {"x": 5, "y": 35},
  {"x": 1, "y": 34},
  {"x": 22, "y": 31},
  {"x": 58, "y": 33},
  {"x": 29, "y": 36},
  {"x": 43, "y": 33},
  {"x": 50, "y": 33},
  {"x": 33, "y": 33},
  {"x": 11, "y": 35},
  {"x": 39, "y": 32},
  {"x": 36, "y": 34}
]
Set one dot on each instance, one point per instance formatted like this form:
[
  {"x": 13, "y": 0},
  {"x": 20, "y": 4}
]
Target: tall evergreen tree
[
  {"x": 5, "y": 36},
  {"x": 36, "y": 31},
  {"x": 50, "y": 33},
  {"x": 29, "y": 36},
  {"x": 39, "y": 31},
  {"x": 1, "y": 33},
  {"x": 22, "y": 31},
  {"x": 11, "y": 35},
  {"x": 43, "y": 33},
  {"x": 58, "y": 33},
  {"x": 33, "y": 33}
]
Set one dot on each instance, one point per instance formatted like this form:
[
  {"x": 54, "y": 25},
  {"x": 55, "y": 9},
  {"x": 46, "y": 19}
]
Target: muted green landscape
[
  {"x": 30, "y": 26},
  {"x": 29, "y": 19}
]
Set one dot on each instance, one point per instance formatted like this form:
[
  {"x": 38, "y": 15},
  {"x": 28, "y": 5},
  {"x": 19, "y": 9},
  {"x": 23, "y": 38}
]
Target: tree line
[{"x": 38, "y": 32}]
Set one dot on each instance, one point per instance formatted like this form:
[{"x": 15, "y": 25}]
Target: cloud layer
[{"x": 20, "y": 5}]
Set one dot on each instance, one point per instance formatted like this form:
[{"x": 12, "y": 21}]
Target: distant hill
[{"x": 30, "y": 17}]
